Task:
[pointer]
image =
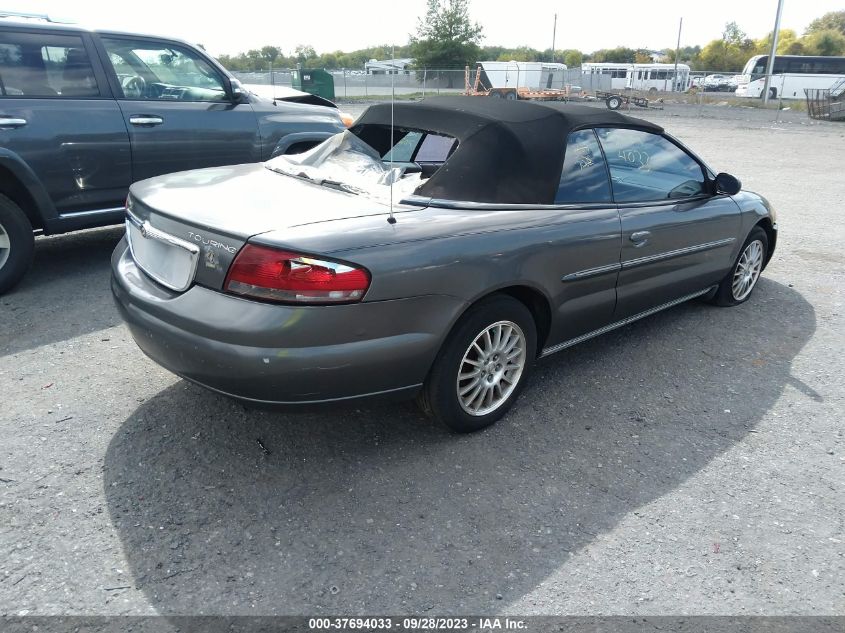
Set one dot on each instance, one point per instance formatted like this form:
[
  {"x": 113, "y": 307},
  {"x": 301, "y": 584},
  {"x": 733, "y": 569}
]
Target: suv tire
[{"x": 17, "y": 243}]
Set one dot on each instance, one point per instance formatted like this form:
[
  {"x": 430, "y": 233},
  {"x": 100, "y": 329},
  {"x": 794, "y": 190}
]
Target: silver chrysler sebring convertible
[{"x": 435, "y": 249}]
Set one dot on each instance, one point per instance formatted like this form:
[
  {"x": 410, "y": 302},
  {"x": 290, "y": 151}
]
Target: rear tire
[
  {"x": 739, "y": 283},
  {"x": 17, "y": 244},
  {"x": 483, "y": 365}
]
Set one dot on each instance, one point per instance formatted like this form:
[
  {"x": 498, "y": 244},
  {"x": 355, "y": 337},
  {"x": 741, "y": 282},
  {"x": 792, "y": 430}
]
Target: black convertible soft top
[{"x": 509, "y": 152}]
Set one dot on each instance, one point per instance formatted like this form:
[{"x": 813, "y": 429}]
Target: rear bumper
[{"x": 278, "y": 354}]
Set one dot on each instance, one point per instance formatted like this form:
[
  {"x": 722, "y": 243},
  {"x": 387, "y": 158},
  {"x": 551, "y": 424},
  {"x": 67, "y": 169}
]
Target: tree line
[{"x": 446, "y": 38}]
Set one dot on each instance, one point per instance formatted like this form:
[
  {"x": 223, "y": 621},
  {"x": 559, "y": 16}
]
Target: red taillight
[{"x": 267, "y": 273}]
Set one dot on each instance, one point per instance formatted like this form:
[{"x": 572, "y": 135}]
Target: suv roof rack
[{"x": 30, "y": 16}]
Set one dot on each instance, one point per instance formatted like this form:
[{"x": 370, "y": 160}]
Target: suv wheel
[{"x": 17, "y": 243}]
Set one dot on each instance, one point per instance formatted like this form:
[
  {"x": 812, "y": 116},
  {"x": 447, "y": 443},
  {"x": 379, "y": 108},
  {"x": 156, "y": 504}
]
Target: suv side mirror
[
  {"x": 727, "y": 184},
  {"x": 236, "y": 92}
]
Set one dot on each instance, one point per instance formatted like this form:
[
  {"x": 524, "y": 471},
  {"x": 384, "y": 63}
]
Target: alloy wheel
[
  {"x": 747, "y": 270},
  {"x": 491, "y": 368},
  {"x": 5, "y": 246}
]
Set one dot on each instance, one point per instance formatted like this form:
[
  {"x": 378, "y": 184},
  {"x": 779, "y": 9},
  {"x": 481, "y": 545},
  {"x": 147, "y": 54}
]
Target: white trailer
[{"x": 520, "y": 80}]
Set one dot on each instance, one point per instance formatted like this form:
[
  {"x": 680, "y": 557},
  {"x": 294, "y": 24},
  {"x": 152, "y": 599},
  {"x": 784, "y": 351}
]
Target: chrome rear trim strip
[
  {"x": 613, "y": 326},
  {"x": 148, "y": 230}
]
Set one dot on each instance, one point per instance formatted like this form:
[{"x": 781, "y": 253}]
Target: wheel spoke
[
  {"x": 487, "y": 400},
  {"x": 498, "y": 339},
  {"x": 471, "y": 398},
  {"x": 472, "y": 385},
  {"x": 4, "y": 240},
  {"x": 512, "y": 341},
  {"x": 507, "y": 332}
]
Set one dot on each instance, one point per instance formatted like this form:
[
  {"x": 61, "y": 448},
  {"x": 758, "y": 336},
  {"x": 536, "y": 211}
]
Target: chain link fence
[{"x": 356, "y": 84}]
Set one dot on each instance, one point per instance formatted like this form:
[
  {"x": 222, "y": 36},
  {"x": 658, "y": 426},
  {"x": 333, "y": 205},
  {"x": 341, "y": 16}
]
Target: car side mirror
[{"x": 727, "y": 184}]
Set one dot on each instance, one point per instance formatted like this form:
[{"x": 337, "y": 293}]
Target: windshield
[
  {"x": 755, "y": 67},
  {"x": 346, "y": 162}
]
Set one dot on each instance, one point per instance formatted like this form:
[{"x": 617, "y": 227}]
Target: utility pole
[
  {"x": 771, "y": 64},
  {"x": 554, "y": 33},
  {"x": 677, "y": 54}
]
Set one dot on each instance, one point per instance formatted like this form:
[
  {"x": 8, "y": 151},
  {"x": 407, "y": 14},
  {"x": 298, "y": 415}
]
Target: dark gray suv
[{"x": 84, "y": 114}]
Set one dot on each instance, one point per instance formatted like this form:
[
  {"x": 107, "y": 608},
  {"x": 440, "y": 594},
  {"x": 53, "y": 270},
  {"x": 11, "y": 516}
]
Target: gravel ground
[{"x": 689, "y": 463}]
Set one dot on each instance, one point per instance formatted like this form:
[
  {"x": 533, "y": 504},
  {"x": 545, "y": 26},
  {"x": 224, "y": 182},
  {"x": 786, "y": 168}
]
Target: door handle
[
  {"x": 8, "y": 121},
  {"x": 145, "y": 119},
  {"x": 639, "y": 238}
]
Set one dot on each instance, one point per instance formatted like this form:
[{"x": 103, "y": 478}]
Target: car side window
[
  {"x": 45, "y": 66},
  {"x": 435, "y": 149},
  {"x": 584, "y": 174},
  {"x": 648, "y": 167},
  {"x": 156, "y": 71}
]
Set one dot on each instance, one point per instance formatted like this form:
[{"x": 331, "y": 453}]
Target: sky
[{"x": 330, "y": 25}]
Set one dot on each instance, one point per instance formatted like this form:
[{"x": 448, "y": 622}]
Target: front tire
[
  {"x": 483, "y": 365},
  {"x": 740, "y": 281},
  {"x": 17, "y": 244}
]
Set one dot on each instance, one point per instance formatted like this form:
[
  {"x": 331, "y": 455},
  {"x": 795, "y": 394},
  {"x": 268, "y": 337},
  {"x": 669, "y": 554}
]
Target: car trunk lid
[{"x": 188, "y": 227}]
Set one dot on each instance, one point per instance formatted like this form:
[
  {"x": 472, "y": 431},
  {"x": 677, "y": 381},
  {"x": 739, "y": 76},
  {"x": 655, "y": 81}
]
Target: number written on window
[
  {"x": 584, "y": 175},
  {"x": 648, "y": 167}
]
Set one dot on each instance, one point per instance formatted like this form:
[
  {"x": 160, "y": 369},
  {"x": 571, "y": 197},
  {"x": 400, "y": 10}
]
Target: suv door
[
  {"x": 677, "y": 238},
  {"x": 177, "y": 108},
  {"x": 57, "y": 117}
]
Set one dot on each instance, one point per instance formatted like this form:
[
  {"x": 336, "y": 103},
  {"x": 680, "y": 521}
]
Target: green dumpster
[{"x": 315, "y": 81}]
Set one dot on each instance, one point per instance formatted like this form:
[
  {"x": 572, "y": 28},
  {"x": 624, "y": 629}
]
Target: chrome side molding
[
  {"x": 592, "y": 272},
  {"x": 632, "y": 263},
  {"x": 613, "y": 326},
  {"x": 82, "y": 214}
]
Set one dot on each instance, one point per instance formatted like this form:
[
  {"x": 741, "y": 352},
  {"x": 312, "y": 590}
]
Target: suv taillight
[{"x": 270, "y": 274}]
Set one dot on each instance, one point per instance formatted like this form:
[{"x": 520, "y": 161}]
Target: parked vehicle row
[
  {"x": 83, "y": 114},
  {"x": 718, "y": 83}
]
